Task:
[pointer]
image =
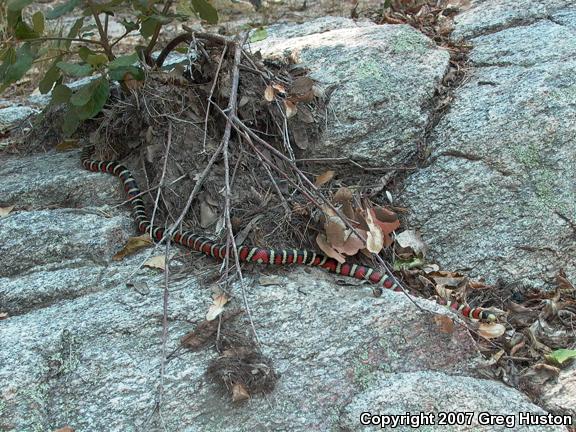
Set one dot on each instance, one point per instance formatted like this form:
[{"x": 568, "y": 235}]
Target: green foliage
[{"x": 86, "y": 50}]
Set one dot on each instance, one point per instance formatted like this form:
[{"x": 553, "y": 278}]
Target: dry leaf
[
  {"x": 270, "y": 280},
  {"x": 5, "y": 211},
  {"x": 447, "y": 278},
  {"x": 269, "y": 93},
  {"x": 444, "y": 323},
  {"x": 133, "y": 245},
  {"x": 352, "y": 244},
  {"x": 491, "y": 330},
  {"x": 131, "y": 83},
  {"x": 239, "y": 393},
  {"x": 335, "y": 231},
  {"x": 67, "y": 144},
  {"x": 302, "y": 89},
  {"x": 3, "y": 315},
  {"x": 291, "y": 108},
  {"x": 410, "y": 239},
  {"x": 343, "y": 195},
  {"x": 65, "y": 429},
  {"x": 279, "y": 88},
  {"x": 374, "y": 236},
  {"x": 379, "y": 218},
  {"x": 199, "y": 336},
  {"x": 207, "y": 214},
  {"x": 217, "y": 306},
  {"x": 324, "y": 178},
  {"x": 328, "y": 250},
  {"x": 158, "y": 262},
  {"x": 305, "y": 115}
]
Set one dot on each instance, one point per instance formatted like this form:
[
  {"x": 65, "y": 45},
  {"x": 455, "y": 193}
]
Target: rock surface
[
  {"x": 500, "y": 191},
  {"x": 83, "y": 339}
]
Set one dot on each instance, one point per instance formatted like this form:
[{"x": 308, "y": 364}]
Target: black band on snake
[{"x": 254, "y": 254}]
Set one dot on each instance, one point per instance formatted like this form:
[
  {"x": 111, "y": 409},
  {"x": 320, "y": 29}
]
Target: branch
[{"x": 103, "y": 34}]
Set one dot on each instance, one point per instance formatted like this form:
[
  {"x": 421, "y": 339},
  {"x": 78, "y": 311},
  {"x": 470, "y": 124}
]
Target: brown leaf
[
  {"x": 239, "y": 393},
  {"x": 447, "y": 278},
  {"x": 200, "y": 335},
  {"x": 279, "y": 88},
  {"x": 385, "y": 215},
  {"x": 328, "y": 250},
  {"x": 335, "y": 231},
  {"x": 305, "y": 115},
  {"x": 130, "y": 82},
  {"x": 352, "y": 244},
  {"x": 133, "y": 245},
  {"x": 65, "y": 429},
  {"x": 217, "y": 306},
  {"x": 302, "y": 90},
  {"x": 387, "y": 228},
  {"x": 5, "y": 211},
  {"x": 204, "y": 330},
  {"x": 343, "y": 195},
  {"x": 324, "y": 178},
  {"x": 67, "y": 144},
  {"x": 3, "y": 315},
  {"x": 444, "y": 323}
]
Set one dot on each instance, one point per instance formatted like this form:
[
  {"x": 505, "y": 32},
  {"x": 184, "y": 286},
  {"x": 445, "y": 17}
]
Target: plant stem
[
  {"x": 103, "y": 34},
  {"x": 156, "y": 33}
]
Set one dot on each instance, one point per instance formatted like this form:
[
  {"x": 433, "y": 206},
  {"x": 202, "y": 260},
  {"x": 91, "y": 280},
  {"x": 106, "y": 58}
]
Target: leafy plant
[{"x": 85, "y": 50}]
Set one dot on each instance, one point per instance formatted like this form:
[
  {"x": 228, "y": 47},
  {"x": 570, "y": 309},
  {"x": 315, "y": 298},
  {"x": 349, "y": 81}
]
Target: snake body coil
[{"x": 253, "y": 254}]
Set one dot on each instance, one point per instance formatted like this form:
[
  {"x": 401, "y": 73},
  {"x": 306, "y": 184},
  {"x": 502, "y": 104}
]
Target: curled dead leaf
[
  {"x": 239, "y": 393},
  {"x": 5, "y": 211},
  {"x": 158, "y": 262},
  {"x": 491, "y": 330},
  {"x": 411, "y": 240},
  {"x": 328, "y": 250},
  {"x": 217, "y": 306},
  {"x": 269, "y": 93},
  {"x": 374, "y": 236},
  {"x": 343, "y": 195},
  {"x": 335, "y": 231},
  {"x": 324, "y": 178},
  {"x": 133, "y": 245},
  {"x": 291, "y": 108}
]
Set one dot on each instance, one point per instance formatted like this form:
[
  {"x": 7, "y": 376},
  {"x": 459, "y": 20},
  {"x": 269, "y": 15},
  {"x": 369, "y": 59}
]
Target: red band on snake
[{"x": 254, "y": 254}]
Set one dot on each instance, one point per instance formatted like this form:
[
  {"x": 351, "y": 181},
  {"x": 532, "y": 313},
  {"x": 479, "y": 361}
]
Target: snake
[{"x": 253, "y": 254}]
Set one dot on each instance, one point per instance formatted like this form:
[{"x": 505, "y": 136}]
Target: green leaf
[
  {"x": 84, "y": 52},
  {"x": 76, "y": 28},
  {"x": 119, "y": 73},
  {"x": 83, "y": 95},
  {"x": 162, "y": 19},
  {"x": 16, "y": 64},
  {"x": 125, "y": 60},
  {"x": 100, "y": 90},
  {"x": 38, "y": 21},
  {"x": 559, "y": 356},
  {"x": 96, "y": 60},
  {"x": 71, "y": 123},
  {"x": 129, "y": 25},
  {"x": 60, "y": 94},
  {"x": 258, "y": 35},
  {"x": 23, "y": 31},
  {"x": 18, "y": 5},
  {"x": 52, "y": 75},
  {"x": 408, "y": 264},
  {"x": 62, "y": 9},
  {"x": 74, "y": 69},
  {"x": 206, "y": 11},
  {"x": 147, "y": 27}
]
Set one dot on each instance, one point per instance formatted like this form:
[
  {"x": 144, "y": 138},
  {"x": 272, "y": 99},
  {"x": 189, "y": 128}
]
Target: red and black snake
[{"x": 253, "y": 254}]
